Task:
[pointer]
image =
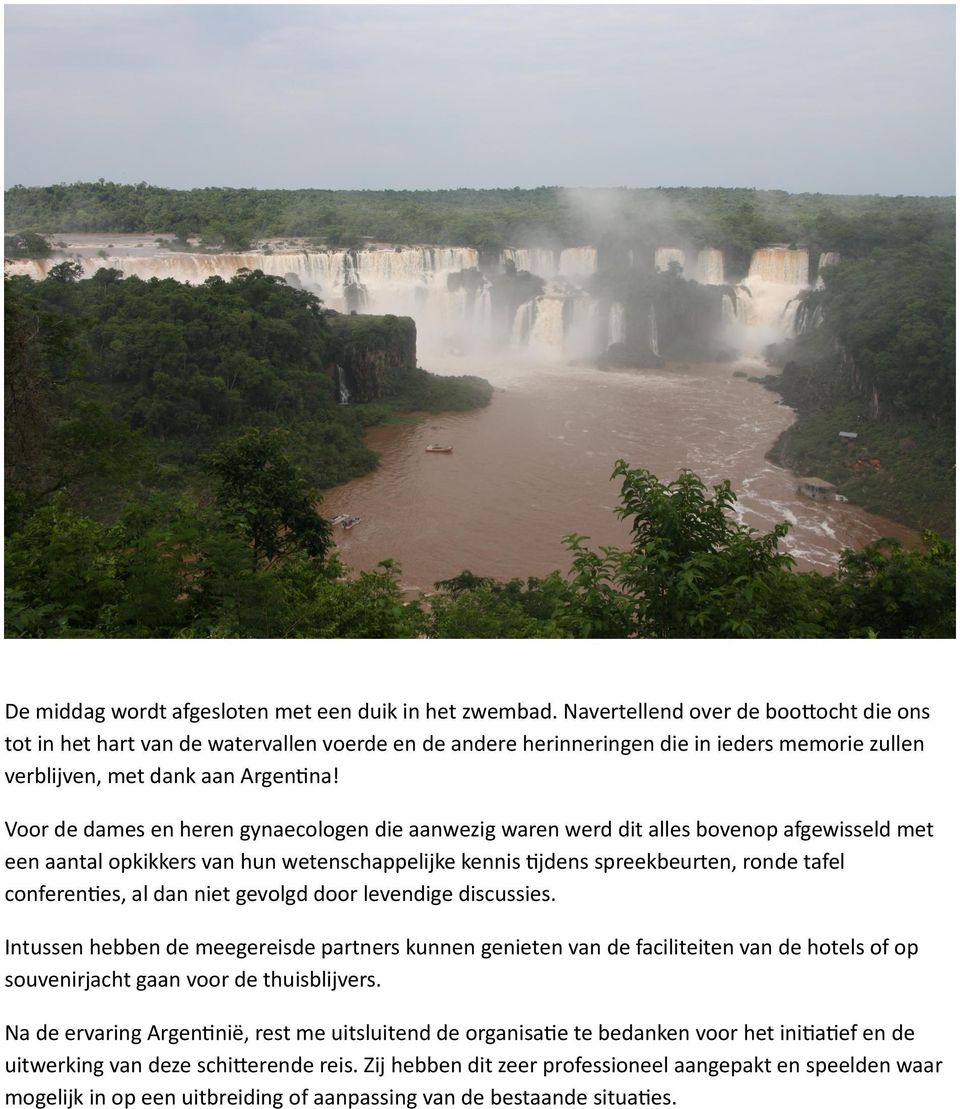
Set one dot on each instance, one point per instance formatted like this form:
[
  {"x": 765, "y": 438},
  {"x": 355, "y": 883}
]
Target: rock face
[{"x": 366, "y": 349}]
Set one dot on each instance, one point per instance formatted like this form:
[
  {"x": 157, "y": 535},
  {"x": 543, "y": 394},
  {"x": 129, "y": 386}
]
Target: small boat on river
[
  {"x": 349, "y": 521},
  {"x": 437, "y": 448}
]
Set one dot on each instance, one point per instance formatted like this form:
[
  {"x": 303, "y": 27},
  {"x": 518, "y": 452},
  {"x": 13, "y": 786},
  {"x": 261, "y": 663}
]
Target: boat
[
  {"x": 436, "y": 448},
  {"x": 349, "y": 521},
  {"x": 339, "y": 518}
]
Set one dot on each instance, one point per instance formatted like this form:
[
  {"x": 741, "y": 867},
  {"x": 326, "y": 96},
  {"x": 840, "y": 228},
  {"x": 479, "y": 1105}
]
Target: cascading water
[
  {"x": 574, "y": 263},
  {"x": 532, "y": 259},
  {"x": 547, "y": 333},
  {"x": 767, "y": 301},
  {"x": 354, "y": 291},
  {"x": 342, "y": 386},
  {"x": 781, "y": 266},
  {"x": 316, "y": 270},
  {"x": 807, "y": 317},
  {"x": 667, "y": 254},
  {"x": 523, "y": 323},
  {"x": 710, "y": 267},
  {"x": 582, "y": 327},
  {"x": 616, "y": 324},
  {"x": 827, "y": 258},
  {"x": 654, "y": 337},
  {"x": 451, "y": 301},
  {"x": 578, "y": 263}
]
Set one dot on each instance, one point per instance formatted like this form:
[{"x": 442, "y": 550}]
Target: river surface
[{"x": 536, "y": 464}]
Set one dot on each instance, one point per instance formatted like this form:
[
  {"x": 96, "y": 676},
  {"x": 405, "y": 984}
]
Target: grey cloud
[{"x": 825, "y": 98}]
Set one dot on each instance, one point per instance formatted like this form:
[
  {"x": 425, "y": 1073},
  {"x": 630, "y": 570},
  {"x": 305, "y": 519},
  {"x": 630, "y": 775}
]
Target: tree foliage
[
  {"x": 692, "y": 571},
  {"x": 261, "y": 494},
  {"x": 734, "y": 220},
  {"x": 26, "y": 244},
  {"x": 255, "y": 563}
]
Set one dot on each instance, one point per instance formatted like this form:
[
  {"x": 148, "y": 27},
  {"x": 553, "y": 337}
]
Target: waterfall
[
  {"x": 667, "y": 254},
  {"x": 523, "y": 323},
  {"x": 483, "y": 309},
  {"x": 317, "y": 270},
  {"x": 710, "y": 266},
  {"x": 827, "y": 258},
  {"x": 781, "y": 266},
  {"x": 354, "y": 292},
  {"x": 532, "y": 259},
  {"x": 34, "y": 268},
  {"x": 452, "y": 316},
  {"x": 654, "y": 340},
  {"x": 546, "y": 335},
  {"x": 805, "y": 317},
  {"x": 342, "y": 386},
  {"x": 766, "y": 304},
  {"x": 578, "y": 263},
  {"x": 728, "y": 310},
  {"x": 582, "y": 327},
  {"x": 789, "y": 318},
  {"x": 616, "y": 330},
  {"x": 574, "y": 263}
]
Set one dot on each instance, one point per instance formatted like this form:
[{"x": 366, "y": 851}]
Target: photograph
[{"x": 480, "y": 321}]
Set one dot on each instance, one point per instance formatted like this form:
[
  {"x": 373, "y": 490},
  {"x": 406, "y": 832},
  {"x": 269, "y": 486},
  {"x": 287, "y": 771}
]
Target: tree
[
  {"x": 891, "y": 593},
  {"x": 26, "y": 244},
  {"x": 65, "y": 272},
  {"x": 692, "y": 570},
  {"x": 262, "y": 495}
]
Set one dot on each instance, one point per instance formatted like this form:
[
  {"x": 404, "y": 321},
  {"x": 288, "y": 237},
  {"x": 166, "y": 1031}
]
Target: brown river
[{"x": 536, "y": 464}]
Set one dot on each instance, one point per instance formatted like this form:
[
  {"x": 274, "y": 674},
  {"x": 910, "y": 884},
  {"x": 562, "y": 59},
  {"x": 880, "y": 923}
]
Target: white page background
[{"x": 899, "y": 890}]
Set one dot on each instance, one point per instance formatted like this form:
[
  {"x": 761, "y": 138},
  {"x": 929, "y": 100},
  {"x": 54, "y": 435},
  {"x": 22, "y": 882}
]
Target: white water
[
  {"x": 413, "y": 281},
  {"x": 767, "y": 300},
  {"x": 710, "y": 267},
  {"x": 541, "y": 262},
  {"x": 576, "y": 264},
  {"x": 342, "y": 386},
  {"x": 584, "y": 334},
  {"x": 546, "y": 335},
  {"x": 616, "y": 324},
  {"x": 523, "y": 322},
  {"x": 780, "y": 266},
  {"x": 667, "y": 254},
  {"x": 706, "y": 266},
  {"x": 654, "y": 339}
]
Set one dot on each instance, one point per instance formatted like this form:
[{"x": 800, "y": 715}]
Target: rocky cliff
[{"x": 367, "y": 349}]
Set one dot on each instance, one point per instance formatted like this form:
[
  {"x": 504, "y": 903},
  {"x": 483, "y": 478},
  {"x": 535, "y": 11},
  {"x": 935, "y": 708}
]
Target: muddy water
[{"x": 536, "y": 466}]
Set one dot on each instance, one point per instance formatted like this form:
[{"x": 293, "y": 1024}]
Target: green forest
[
  {"x": 736, "y": 221},
  {"x": 880, "y": 363},
  {"x": 168, "y": 444}
]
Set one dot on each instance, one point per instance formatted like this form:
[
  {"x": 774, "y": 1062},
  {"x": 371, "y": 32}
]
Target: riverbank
[{"x": 904, "y": 471}]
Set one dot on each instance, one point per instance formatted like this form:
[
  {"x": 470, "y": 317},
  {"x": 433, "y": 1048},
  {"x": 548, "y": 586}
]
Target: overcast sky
[{"x": 847, "y": 99}]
